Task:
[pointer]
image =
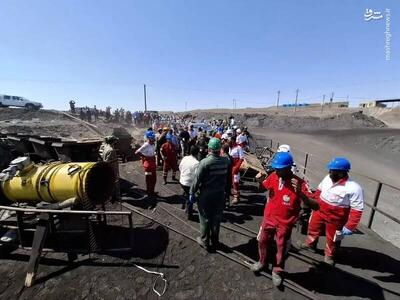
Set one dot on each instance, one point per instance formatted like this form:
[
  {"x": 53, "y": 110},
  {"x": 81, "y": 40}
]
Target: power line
[
  {"x": 145, "y": 97},
  {"x": 295, "y": 103},
  {"x": 277, "y": 101}
]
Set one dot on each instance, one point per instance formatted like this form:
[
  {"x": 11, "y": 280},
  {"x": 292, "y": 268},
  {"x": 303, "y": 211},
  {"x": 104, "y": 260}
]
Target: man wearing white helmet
[
  {"x": 227, "y": 135},
  {"x": 237, "y": 154},
  {"x": 242, "y": 137}
]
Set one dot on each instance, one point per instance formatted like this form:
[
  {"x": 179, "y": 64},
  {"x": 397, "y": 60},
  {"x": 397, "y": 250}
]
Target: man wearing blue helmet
[
  {"x": 341, "y": 203},
  {"x": 286, "y": 192},
  {"x": 148, "y": 156}
]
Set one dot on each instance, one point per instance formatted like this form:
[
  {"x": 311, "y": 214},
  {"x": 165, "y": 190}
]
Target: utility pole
[
  {"x": 277, "y": 101},
  {"x": 295, "y": 103},
  {"x": 323, "y": 103},
  {"x": 145, "y": 100},
  {"x": 185, "y": 105},
  {"x": 331, "y": 100}
]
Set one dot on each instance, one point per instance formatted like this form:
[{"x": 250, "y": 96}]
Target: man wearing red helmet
[
  {"x": 341, "y": 202},
  {"x": 286, "y": 192}
]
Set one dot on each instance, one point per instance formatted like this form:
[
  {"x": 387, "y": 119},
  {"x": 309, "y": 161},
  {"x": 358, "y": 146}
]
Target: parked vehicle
[
  {"x": 7, "y": 100},
  {"x": 204, "y": 126}
]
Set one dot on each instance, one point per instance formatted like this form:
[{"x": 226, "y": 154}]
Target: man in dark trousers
[
  {"x": 184, "y": 137},
  {"x": 211, "y": 180}
]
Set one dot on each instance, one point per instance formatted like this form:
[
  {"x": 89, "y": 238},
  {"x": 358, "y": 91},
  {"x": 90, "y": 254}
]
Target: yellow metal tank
[{"x": 90, "y": 182}]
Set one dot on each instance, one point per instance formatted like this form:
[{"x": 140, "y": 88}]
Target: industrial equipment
[
  {"x": 55, "y": 206},
  {"x": 90, "y": 182}
]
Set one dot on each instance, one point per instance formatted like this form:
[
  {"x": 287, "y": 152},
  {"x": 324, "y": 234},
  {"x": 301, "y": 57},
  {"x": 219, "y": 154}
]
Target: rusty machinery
[
  {"x": 44, "y": 148},
  {"x": 54, "y": 206}
]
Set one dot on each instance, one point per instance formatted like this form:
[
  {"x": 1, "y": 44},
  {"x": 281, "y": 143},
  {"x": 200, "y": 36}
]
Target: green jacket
[{"x": 211, "y": 180}]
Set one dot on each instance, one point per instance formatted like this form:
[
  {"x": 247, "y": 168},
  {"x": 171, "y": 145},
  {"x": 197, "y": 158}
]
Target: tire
[{"x": 30, "y": 106}]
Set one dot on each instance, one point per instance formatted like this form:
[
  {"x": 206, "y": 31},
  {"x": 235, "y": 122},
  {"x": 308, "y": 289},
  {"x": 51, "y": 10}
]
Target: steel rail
[
  {"x": 299, "y": 256},
  {"x": 56, "y": 211},
  {"x": 287, "y": 283}
]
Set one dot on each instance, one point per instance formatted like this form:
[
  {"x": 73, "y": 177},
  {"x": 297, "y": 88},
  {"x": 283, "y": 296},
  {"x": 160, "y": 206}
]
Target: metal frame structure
[{"x": 43, "y": 224}]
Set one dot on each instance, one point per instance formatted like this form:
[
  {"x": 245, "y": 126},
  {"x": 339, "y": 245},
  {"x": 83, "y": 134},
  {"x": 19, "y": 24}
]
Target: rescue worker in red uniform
[
  {"x": 286, "y": 192},
  {"x": 169, "y": 156},
  {"x": 237, "y": 154},
  {"x": 341, "y": 202},
  {"x": 147, "y": 154}
]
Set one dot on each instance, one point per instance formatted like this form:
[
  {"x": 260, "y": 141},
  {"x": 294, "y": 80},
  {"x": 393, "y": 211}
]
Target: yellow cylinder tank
[{"x": 56, "y": 182}]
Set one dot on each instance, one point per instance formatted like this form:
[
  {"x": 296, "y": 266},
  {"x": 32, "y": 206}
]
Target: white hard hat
[
  {"x": 234, "y": 127},
  {"x": 239, "y": 131},
  {"x": 283, "y": 148}
]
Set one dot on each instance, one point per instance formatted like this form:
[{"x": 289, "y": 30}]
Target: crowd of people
[
  {"x": 209, "y": 161},
  {"x": 210, "y": 175}
]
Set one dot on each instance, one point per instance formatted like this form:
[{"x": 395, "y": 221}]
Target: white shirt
[
  {"x": 147, "y": 149},
  {"x": 236, "y": 152},
  {"x": 187, "y": 169},
  {"x": 347, "y": 194}
]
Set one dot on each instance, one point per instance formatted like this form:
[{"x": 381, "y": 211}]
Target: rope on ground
[{"x": 160, "y": 275}]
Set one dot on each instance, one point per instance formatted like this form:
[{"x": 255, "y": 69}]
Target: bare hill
[
  {"x": 391, "y": 116},
  {"x": 57, "y": 124},
  {"x": 346, "y": 119}
]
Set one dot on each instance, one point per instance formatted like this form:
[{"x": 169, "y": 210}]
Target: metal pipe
[
  {"x": 372, "y": 214},
  {"x": 383, "y": 213},
  {"x": 54, "y": 211},
  {"x": 91, "y": 182},
  {"x": 305, "y": 164}
]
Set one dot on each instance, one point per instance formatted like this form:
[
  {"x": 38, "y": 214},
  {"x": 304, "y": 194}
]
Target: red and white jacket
[
  {"x": 237, "y": 155},
  {"x": 341, "y": 202},
  {"x": 147, "y": 151}
]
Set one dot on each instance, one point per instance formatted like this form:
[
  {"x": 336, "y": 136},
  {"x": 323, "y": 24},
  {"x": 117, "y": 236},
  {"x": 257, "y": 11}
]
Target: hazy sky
[{"x": 204, "y": 53}]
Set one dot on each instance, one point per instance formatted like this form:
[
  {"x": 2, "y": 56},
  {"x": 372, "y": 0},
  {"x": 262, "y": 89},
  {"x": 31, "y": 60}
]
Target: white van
[{"x": 7, "y": 100}]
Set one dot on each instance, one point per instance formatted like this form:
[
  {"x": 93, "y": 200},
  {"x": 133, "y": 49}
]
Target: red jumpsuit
[
  {"x": 280, "y": 214},
  {"x": 147, "y": 152},
  {"x": 340, "y": 204},
  {"x": 168, "y": 150},
  {"x": 237, "y": 155}
]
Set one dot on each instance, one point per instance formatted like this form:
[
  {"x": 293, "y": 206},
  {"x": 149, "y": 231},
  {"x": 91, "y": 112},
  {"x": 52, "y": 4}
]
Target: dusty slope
[
  {"x": 42, "y": 122},
  {"x": 391, "y": 116},
  {"x": 55, "y": 123},
  {"x": 306, "y": 121}
]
